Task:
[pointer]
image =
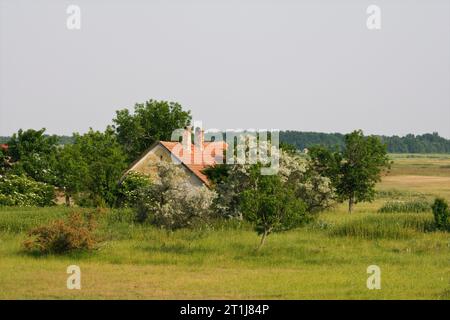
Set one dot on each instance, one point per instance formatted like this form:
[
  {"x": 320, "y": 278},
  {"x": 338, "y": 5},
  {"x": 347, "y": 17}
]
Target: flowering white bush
[
  {"x": 23, "y": 191},
  {"x": 172, "y": 202},
  {"x": 313, "y": 189}
]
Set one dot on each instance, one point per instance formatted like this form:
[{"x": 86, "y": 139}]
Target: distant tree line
[
  {"x": 425, "y": 143},
  {"x": 62, "y": 140}
]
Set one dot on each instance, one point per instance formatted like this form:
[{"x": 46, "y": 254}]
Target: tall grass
[
  {"x": 415, "y": 206},
  {"x": 388, "y": 226},
  {"x": 17, "y": 219},
  {"x": 397, "y": 194}
]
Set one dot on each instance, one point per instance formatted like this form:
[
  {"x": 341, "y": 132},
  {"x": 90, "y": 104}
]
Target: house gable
[{"x": 147, "y": 164}]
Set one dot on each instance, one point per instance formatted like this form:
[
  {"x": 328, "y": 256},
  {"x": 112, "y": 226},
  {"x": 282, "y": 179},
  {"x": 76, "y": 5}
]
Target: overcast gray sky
[{"x": 303, "y": 65}]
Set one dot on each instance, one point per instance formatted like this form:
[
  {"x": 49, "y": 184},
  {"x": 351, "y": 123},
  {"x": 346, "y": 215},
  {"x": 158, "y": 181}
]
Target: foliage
[
  {"x": 151, "y": 121},
  {"x": 441, "y": 214},
  {"x": 325, "y": 162},
  {"x": 416, "y": 206},
  {"x": 4, "y": 162},
  {"x": 272, "y": 205},
  {"x": 229, "y": 182},
  {"x": 287, "y": 147},
  {"x": 33, "y": 153},
  {"x": 105, "y": 165},
  {"x": 425, "y": 143},
  {"x": 217, "y": 173},
  {"x": 364, "y": 158},
  {"x": 354, "y": 171},
  {"x": 23, "y": 191},
  {"x": 71, "y": 170},
  {"x": 61, "y": 236},
  {"x": 172, "y": 202},
  {"x": 308, "y": 185},
  {"x": 128, "y": 193},
  {"x": 302, "y": 140}
]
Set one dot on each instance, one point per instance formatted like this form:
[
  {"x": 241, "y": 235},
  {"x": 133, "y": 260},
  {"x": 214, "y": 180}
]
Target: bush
[
  {"x": 129, "y": 188},
  {"x": 25, "y": 192},
  {"x": 415, "y": 206},
  {"x": 172, "y": 202},
  {"x": 441, "y": 214},
  {"x": 61, "y": 236}
]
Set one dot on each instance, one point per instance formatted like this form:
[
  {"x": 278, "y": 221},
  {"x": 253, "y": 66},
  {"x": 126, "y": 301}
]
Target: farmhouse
[{"x": 193, "y": 157}]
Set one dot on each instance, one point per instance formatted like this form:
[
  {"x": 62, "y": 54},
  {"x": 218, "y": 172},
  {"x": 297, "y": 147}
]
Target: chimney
[
  {"x": 187, "y": 138},
  {"x": 199, "y": 138}
]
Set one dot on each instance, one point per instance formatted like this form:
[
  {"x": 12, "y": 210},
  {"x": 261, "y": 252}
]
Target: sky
[{"x": 309, "y": 65}]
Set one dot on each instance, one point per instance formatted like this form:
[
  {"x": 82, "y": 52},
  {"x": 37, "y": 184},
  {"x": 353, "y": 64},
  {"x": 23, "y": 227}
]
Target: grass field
[{"x": 325, "y": 260}]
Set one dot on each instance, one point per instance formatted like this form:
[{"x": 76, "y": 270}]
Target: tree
[
  {"x": 364, "y": 158},
  {"x": 311, "y": 187},
  {"x": 355, "y": 170},
  {"x": 151, "y": 121},
  {"x": 105, "y": 162},
  {"x": 272, "y": 206},
  {"x": 34, "y": 154},
  {"x": 72, "y": 170}
]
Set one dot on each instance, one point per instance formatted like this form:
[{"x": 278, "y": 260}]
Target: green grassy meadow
[{"x": 327, "y": 259}]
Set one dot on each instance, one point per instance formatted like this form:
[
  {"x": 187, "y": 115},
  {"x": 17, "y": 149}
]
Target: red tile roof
[
  {"x": 198, "y": 160},
  {"x": 4, "y": 146}
]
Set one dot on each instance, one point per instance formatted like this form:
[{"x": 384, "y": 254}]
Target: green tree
[
  {"x": 71, "y": 170},
  {"x": 4, "y": 163},
  {"x": 34, "y": 154},
  {"x": 272, "y": 206},
  {"x": 356, "y": 169},
  {"x": 364, "y": 159},
  {"x": 106, "y": 163},
  {"x": 151, "y": 121}
]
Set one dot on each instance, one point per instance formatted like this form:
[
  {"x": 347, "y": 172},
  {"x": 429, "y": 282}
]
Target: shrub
[
  {"x": 415, "y": 206},
  {"x": 23, "y": 191},
  {"x": 61, "y": 236},
  {"x": 273, "y": 206},
  {"x": 172, "y": 202},
  {"x": 441, "y": 214},
  {"x": 129, "y": 188}
]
